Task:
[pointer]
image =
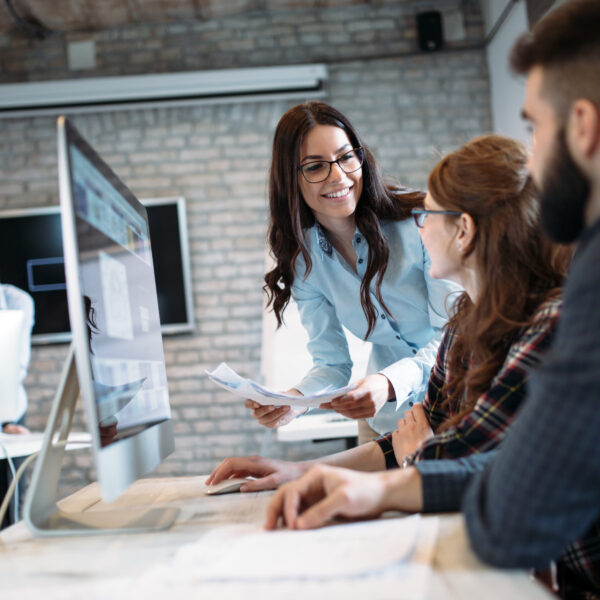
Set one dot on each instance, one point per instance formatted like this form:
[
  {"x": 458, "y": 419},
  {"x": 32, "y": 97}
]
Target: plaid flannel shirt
[{"x": 485, "y": 426}]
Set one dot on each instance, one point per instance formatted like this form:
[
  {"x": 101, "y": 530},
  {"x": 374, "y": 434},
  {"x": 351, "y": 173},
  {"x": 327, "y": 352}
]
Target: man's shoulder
[{"x": 583, "y": 281}]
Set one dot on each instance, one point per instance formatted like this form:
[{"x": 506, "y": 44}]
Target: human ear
[
  {"x": 583, "y": 129},
  {"x": 466, "y": 233}
]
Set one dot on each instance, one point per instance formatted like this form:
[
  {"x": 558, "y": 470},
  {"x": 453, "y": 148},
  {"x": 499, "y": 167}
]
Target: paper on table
[
  {"x": 340, "y": 550},
  {"x": 226, "y": 377},
  {"x": 387, "y": 558}
]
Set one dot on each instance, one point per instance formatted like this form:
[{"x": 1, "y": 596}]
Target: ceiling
[{"x": 37, "y": 16}]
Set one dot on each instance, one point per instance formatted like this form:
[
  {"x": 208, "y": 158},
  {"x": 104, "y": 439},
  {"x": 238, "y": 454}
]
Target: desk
[
  {"x": 320, "y": 427},
  {"x": 24, "y": 444},
  {"x": 82, "y": 568},
  {"x": 19, "y": 445}
]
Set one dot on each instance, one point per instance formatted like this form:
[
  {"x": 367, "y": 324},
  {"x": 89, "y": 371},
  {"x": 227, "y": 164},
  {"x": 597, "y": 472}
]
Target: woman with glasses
[
  {"x": 480, "y": 226},
  {"x": 348, "y": 253}
]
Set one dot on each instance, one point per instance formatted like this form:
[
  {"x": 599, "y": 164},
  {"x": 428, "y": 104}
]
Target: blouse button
[
  {"x": 358, "y": 239},
  {"x": 398, "y": 337},
  {"x": 414, "y": 351},
  {"x": 360, "y": 261},
  {"x": 383, "y": 316}
]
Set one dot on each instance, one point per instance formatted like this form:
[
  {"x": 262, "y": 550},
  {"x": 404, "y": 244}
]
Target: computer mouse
[{"x": 227, "y": 486}]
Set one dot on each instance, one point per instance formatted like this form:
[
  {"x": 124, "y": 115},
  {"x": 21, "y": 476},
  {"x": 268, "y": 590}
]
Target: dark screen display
[{"x": 31, "y": 258}]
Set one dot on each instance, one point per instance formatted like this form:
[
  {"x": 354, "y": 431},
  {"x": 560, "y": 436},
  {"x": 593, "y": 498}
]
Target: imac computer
[{"x": 116, "y": 360}]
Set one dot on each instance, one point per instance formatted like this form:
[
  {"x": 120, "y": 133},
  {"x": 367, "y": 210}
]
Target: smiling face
[
  {"x": 440, "y": 236},
  {"x": 335, "y": 198}
]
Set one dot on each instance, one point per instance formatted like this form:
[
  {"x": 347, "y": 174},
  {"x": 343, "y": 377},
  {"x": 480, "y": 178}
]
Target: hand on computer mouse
[{"x": 269, "y": 473}]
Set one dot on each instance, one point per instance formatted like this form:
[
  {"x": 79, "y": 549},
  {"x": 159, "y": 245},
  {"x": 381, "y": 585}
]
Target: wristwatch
[{"x": 407, "y": 461}]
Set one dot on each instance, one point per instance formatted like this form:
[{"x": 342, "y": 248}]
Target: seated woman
[{"x": 480, "y": 227}]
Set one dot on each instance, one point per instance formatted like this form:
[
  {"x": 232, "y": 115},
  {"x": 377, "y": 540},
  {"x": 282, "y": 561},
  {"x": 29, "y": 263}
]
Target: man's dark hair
[{"x": 566, "y": 44}]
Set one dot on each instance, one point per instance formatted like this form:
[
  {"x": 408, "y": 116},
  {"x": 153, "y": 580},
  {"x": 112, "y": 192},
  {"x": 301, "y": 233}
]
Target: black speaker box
[{"x": 429, "y": 29}]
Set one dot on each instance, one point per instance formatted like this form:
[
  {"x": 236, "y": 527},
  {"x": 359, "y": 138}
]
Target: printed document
[
  {"x": 386, "y": 558},
  {"x": 227, "y": 378}
]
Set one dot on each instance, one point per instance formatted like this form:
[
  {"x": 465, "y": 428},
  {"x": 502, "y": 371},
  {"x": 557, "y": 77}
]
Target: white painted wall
[{"x": 506, "y": 89}]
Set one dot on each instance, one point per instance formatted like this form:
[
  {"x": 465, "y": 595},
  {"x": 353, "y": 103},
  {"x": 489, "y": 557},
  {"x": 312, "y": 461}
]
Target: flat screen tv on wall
[{"x": 31, "y": 258}]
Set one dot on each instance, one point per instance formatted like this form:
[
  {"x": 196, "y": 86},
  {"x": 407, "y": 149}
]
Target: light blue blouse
[{"x": 404, "y": 342}]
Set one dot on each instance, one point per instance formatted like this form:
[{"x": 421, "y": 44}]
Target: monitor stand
[{"x": 42, "y": 514}]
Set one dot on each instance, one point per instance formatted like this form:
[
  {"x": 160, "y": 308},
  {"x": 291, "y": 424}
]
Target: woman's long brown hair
[
  {"x": 518, "y": 266},
  {"x": 291, "y": 216}
]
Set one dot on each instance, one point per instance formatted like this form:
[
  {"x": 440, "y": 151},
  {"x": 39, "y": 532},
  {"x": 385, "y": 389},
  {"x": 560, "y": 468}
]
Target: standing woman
[{"x": 348, "y": 253}]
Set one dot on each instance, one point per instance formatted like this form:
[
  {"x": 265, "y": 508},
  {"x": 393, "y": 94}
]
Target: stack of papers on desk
[
  {"x": 385, "y": 558},
  {"x": 227, "y": 378}
]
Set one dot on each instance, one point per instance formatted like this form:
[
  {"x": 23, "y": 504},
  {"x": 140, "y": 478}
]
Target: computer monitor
[
  {"x": 32, "y": 259},
  {"x": 116, "y": 359}
]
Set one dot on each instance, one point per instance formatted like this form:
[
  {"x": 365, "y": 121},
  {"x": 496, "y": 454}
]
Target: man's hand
[
  {"x": 275, "y": 416},
  {"x": 365, "y": 400},
  {"x": 412, "y": 431},
  {"x": 270, "y": 473},
  {"x": 324, "y": 493}
]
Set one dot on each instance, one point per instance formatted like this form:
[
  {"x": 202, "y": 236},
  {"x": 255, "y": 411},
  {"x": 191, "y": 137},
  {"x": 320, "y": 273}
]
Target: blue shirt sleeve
[
  {"x": 445, "y": 481},
  {"x": 332, "y": 365}
]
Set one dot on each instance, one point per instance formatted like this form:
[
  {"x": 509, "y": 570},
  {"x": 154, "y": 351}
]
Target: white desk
[
  {"x": 326, "y": 426},
  {"x": 101, "y": 567},
  {"x": 15, "y": 445}
]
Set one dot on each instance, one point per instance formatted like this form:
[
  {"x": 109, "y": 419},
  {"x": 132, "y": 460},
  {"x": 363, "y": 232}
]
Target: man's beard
[{"x": 564, "y": 193}]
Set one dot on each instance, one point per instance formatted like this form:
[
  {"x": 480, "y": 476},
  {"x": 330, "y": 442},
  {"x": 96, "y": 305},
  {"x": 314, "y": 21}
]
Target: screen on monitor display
[
  {"x": 116, "y": 361},
  {"x": 116, "y": 276},
  {"x": 114, "y": 316},
  {"x": 31, "y": 258}
]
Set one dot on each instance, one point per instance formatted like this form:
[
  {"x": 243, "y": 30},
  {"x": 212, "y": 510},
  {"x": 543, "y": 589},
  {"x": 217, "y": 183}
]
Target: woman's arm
[
  {"x": 270, "y": 474},
  {"x": 327, "y": 344},
  {"x": 411, "y": 433},
  {"x": 412, "y": 374}
]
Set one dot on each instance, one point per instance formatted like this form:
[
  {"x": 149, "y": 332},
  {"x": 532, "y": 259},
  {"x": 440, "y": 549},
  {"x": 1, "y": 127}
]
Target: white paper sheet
[
  {"x": 386, "y": 558},
  {"x": 227, "y": 378}
]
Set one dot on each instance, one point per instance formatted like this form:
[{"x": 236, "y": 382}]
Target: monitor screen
[
  {"x": 114, "y": 315},
  {"x": 31, "y": 258}
]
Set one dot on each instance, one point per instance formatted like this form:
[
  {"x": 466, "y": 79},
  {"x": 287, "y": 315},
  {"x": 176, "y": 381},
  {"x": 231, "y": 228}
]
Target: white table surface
[
  {"x": 330, "y": 425},
  {"x": 15, "y": 445},
  {"x": 83, "y": 567}
]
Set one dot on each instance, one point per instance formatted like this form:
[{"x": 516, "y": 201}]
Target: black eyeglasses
[
  {"x": 316, "y": 171},
  {"x": 419, "y": 214}
]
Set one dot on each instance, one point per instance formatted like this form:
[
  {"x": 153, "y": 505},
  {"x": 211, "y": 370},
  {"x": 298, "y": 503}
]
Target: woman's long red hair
[{"x": 518, "y": 266}]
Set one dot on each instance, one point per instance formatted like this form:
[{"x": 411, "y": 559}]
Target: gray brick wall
[
  {"x": 259, "y": 38},
  {"x": 407, "y": 108}
]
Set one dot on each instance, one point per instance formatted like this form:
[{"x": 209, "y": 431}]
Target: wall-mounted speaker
[{"x": 429, "y": 30}]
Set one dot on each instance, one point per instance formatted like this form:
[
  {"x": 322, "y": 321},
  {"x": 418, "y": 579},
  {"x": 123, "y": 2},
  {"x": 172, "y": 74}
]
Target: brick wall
[
  {"x": 408, "y": 109},
  {"x": 260, "y": 38}
]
